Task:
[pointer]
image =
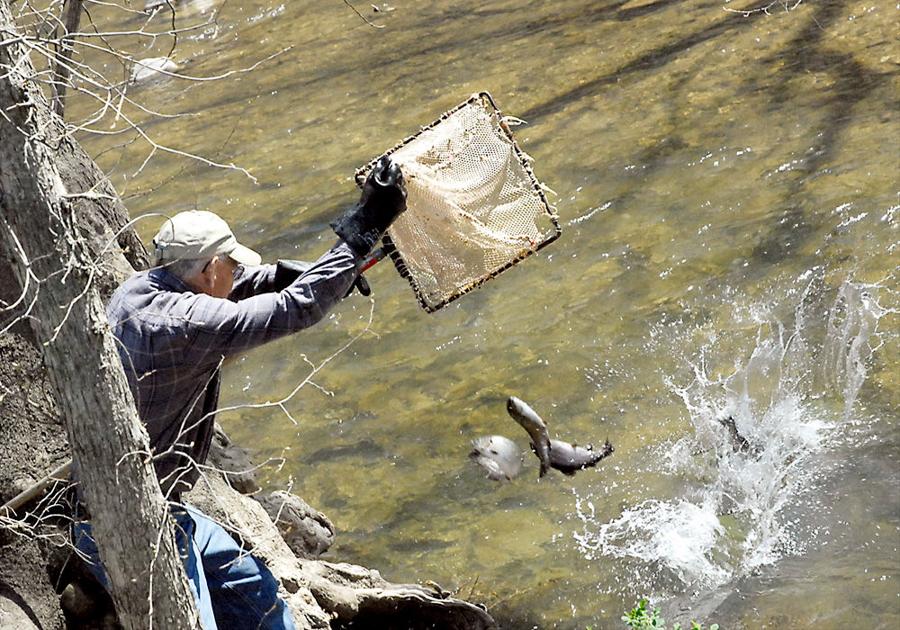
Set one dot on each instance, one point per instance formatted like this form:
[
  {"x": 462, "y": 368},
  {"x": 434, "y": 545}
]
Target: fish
[
  {"x": 570, "y": 458},
  {"x": 739, "y": 443},
  {"x": 536, "y": 428},
  {"x": 152, "y": 68},
  {"x": 498, "y": 455}
]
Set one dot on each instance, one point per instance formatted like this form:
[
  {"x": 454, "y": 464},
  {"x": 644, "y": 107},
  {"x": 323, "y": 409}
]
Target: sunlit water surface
[{"x": 727, "y": 186}]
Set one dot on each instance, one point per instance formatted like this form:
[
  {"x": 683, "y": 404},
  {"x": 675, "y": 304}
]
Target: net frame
[{"x": 396, "y": 255}]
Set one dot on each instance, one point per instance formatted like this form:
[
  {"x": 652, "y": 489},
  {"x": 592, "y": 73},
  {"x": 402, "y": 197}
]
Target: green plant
[{"x": 642, "y": 618}]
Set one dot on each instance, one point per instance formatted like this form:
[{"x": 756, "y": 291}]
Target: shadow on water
[
  {"x": 808, "y": 54},
  {"x": 511, "y": 26},
  {"x": 656, "y": 58},
  {"x": 365, "y": 449}
]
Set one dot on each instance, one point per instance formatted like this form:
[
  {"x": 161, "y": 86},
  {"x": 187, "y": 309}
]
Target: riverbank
[{"x": 42, "y": 586}]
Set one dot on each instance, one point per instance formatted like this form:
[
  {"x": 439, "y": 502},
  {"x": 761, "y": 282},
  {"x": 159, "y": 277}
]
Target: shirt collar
[{"x": 167, "y": 280}]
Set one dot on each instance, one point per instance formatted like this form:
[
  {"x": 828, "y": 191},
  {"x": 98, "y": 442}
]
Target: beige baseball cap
[{"x": 198, "y": 234}]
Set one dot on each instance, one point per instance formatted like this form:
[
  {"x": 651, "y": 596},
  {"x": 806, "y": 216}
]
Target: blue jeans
[{"x": 232, "y": 589}]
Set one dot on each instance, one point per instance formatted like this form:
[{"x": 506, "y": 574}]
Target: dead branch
[{"x": 71, "y": 19}]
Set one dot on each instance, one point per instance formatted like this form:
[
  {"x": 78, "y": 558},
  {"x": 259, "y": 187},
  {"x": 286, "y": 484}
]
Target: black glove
[
  {"x": 383, "y": 198},
  {"x": 361, "y": 285},
  {"x": 287, "y": 271}
]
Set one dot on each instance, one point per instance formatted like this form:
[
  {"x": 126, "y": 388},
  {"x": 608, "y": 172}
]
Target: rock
[
  {"x": 13, "y": 616},
  {"x": 233, "y": 461},
  {"x": 361, "y": 598},
  {"x": 27, "y": 598},
  {"x": 84, "y": 608},
  {"x": 327, "y": 595},
  {"x": 307, "y": 531},
  {"x": 75, "y": 602}
]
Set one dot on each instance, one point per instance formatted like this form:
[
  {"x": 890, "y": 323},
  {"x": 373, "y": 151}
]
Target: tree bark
[{"x": 41, "y": 236}]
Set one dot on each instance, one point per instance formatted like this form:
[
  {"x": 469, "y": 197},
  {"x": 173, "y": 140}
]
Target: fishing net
[{"x": 474, "y": 206}]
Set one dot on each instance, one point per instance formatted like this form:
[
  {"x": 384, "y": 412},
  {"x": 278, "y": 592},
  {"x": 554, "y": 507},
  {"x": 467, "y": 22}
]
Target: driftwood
[{"x": 60, "y": 474}]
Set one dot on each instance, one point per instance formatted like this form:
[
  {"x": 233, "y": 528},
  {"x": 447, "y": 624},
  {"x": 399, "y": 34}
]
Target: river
[{"x": 727, "y": 187}]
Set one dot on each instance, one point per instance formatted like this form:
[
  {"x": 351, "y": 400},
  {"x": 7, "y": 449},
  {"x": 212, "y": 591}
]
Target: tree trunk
[{"x": 43, "y": 240}]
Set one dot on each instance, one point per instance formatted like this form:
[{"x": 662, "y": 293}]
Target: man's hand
[
  {"x": 383, "y": 199},
  {"x": 385, "y": 189}
]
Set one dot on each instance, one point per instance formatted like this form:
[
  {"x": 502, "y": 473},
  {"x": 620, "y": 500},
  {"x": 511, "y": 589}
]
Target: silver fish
[
  {"x": 498, "y": 455},
  {"x": 536, "y": 428},
  {"x": 570, "y": 458}
]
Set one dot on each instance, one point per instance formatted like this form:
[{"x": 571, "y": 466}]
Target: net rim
[{"x": 391, "y": 248}]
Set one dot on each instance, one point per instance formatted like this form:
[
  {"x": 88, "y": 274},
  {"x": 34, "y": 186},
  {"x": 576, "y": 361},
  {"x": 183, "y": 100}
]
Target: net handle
[{"x": 372, "y": 259}]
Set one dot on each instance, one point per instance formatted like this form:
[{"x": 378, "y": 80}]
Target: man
[{"x": 208, "y": 298}]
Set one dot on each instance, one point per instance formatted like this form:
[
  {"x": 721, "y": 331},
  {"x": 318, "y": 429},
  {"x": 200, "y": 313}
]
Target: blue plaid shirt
[{"x": 172, "y": 342}]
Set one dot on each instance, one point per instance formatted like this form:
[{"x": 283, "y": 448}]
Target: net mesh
[{"x": 474, "y": 207}]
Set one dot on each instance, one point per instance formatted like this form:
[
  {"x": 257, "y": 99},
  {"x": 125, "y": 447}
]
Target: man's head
[{"x": 199, "y": 248}]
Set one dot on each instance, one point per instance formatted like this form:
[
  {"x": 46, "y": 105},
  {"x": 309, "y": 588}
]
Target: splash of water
[
  {"x": 779, "y": 400},
  {"x": 852, "y": 339},
  {"x": 676, "y": 536}
]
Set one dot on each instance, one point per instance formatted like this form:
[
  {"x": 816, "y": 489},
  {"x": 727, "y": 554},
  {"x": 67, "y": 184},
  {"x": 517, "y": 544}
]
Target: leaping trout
[
  {"x": 536, "y": 428},
  {"x": 570, "y": 458}
]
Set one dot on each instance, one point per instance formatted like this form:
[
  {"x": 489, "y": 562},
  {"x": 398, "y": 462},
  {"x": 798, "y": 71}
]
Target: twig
[
  {"x": 362, "y": 17},
  {"x": 72, "y": 17}
]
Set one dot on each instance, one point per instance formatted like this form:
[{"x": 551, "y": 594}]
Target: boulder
[
  {"x": 233, "y": 461},
  {"x": 27, "y": 598},
  {"x": 327, "y": 595},
  {"x": 308, "y": 532}
]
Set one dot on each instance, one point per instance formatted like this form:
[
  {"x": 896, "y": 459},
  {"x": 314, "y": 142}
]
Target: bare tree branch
[
  {"x": 71, "y": 19},
  {"x": 362, "y": 17}
]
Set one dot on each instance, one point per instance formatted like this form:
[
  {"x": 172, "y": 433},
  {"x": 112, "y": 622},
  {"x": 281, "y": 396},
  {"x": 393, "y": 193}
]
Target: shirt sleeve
[
  {"x": 221, "y": 327},
  {"x": 252, "y": 280}
]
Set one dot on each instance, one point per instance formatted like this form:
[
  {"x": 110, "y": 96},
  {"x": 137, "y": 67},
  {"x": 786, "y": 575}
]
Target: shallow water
[{"x": 727, "y": 187}]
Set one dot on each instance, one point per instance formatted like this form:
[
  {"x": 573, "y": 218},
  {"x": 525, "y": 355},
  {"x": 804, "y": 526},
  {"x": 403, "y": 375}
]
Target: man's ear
[
  {"x": 208, "y": 274},
  {"x": 212, "y": 267}
]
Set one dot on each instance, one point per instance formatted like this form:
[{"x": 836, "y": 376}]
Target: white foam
[{"x": 776, "y": 397}]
